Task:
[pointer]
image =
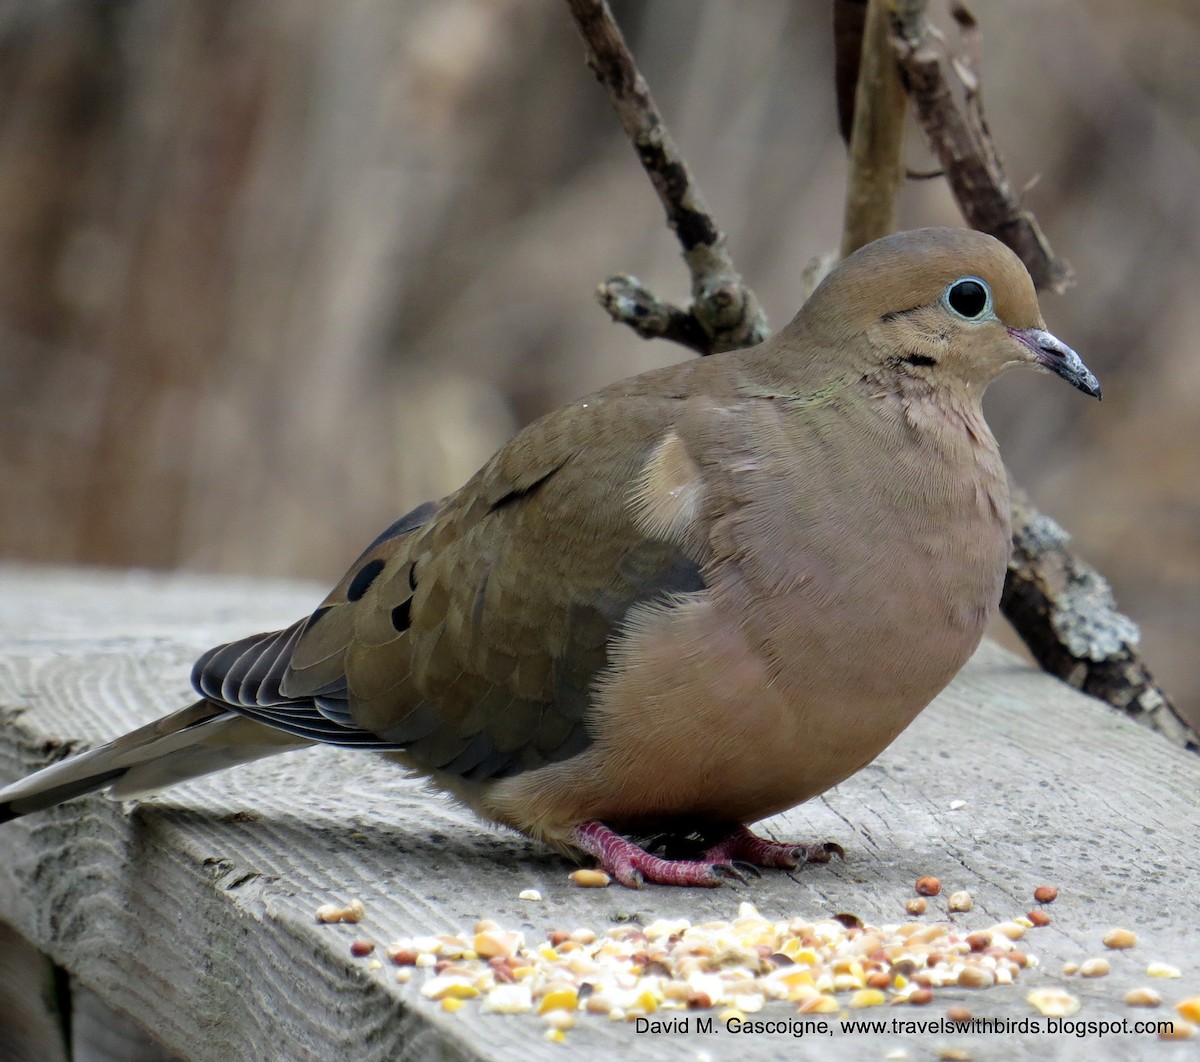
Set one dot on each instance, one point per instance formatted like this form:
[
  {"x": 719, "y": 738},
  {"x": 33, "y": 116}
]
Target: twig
[
  {"x": 963, "y": 144},
  {"x": 724, "y": 311},
  {"x": 1065, "y": 612},
  {"x": 877, "y": 136}
]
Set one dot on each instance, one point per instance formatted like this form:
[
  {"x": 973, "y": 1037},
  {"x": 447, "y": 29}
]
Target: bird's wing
[{"x": 469, "y": 633}]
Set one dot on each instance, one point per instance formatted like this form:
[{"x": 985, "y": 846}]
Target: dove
[{"x": 675, "y": 607}]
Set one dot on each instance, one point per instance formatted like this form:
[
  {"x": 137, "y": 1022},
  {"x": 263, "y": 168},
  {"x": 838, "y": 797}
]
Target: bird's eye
[{"x": 969, "y": 298}]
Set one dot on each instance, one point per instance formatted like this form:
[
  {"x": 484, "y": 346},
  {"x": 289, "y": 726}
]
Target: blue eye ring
[{"x": 969, "y": 298}]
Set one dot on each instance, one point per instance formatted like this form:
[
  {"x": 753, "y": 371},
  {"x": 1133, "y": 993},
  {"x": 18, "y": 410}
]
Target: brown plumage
[{"x": 683, "y": 603}]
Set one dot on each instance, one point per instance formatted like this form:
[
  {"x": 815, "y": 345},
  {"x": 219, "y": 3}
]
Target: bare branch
[
  {"x": 877, "y": 136},
  {"x": 963, "y": 144},
  {"x": 726, "y": 312},
  {"x": 627, "y": 300},
  {"x": 1064, "y": 611}
]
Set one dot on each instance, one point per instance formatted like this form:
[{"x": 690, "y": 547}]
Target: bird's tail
[{"x": 189, "y": 743}]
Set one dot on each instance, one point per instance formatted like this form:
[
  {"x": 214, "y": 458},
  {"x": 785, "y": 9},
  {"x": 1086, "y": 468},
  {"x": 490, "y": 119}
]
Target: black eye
[{"x": 968, "y": 298}]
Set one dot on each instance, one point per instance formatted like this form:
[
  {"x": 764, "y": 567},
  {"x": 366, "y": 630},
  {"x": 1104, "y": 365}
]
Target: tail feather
[{"x": 194, "y": 741}]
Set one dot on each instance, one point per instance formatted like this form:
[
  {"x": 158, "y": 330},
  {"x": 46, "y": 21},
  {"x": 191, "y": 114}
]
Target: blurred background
[{"x": 274, "y": 271}]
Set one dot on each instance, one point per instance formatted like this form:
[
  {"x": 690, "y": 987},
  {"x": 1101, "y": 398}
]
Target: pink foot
[
  {"x": 632, "y": 865},
  {"x": 746, "y": 846}
]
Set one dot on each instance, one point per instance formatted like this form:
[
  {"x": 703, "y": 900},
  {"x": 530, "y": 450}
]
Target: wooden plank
[{"x": 193, "y": 913}]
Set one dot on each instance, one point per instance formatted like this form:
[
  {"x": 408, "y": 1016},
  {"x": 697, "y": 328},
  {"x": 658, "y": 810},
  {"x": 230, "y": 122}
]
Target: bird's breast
[{"x": 844, "y": 591}]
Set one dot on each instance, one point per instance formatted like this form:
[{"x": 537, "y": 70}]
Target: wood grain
[{"x": 193, "y": 913}]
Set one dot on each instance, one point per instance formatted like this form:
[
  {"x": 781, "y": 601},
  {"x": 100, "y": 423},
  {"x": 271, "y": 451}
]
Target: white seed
[
  {"x": 960, "y": 901},
  {"x": 1094, "y": 968},
  {"x": 1162, "y": 969},
  {"x": 529, "y": 894},
  {"x": 1052, "y": 1002},
  {"x": 509, "y": 999}
]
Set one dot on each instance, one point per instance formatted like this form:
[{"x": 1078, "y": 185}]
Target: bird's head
[{"x": 943, "y": 304}]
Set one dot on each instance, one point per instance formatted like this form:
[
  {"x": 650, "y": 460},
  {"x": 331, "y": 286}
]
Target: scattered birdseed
[
  {"x": 736, "y": 967},
  {"x": 1189, "y": 1008},
  {"x": 954, "y": 1054},
  {"x": 1142, "y": 997},
  {"x": 957, "y": 1013},
  {"x": 956, "y": 804},
  {"x": 928, "y": 886},
  {"x": 529, "y": 894},
  {"x": 960, "y": 901},
  {"x": 590, "y": 879},
  {"x": 1038, "y": 918},
  {"x": 1094, "y": 968},
  {"x": 1052, "y": 1002},
  {"x": 361, "y": 948},
  {"x": 1070, "y": 968},
  {"x": 1162, "y": 969},
  {"x": 916, "y": 906},
  {"x": 1045, "y": 894},
  {"x": 1119, "y": 938}
]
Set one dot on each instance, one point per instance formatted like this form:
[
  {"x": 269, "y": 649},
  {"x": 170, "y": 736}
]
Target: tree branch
[
  {"x": 1065, "y": 612},
  {"x": 876, "y": 137},
  {"x": 963, "y": 144},
  {"x": 723, "y": 311}
]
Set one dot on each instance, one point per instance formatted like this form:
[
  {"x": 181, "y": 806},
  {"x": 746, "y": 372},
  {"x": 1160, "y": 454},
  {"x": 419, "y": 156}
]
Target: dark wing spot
[
  {"x": 317, "y": 616},
  {"x": 361, "y": 583},
  {"x": 402, "y": 615},
  {"x": 524, "y": 492},
  {"x": 918, "y": 359},
  {"x": 893, "y": 315},
  {"x": 408, "y": 522}
]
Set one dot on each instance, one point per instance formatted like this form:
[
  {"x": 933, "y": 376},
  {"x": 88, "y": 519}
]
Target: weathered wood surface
[{"x": 193, "y": 913}]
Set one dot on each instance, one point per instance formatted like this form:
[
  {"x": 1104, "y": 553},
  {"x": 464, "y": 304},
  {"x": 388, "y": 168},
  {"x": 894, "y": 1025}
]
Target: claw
[
  {"x": 728, "y": 872},
  {"x": 746, "y": 868}
]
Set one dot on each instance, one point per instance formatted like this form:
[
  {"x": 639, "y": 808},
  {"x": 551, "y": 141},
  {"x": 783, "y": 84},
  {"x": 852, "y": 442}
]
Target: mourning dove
[{"x": 684, "y": 603}]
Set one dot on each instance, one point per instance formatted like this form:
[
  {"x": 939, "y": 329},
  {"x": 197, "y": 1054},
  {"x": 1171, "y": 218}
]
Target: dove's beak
[{"x": 1053, "y": 354}]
